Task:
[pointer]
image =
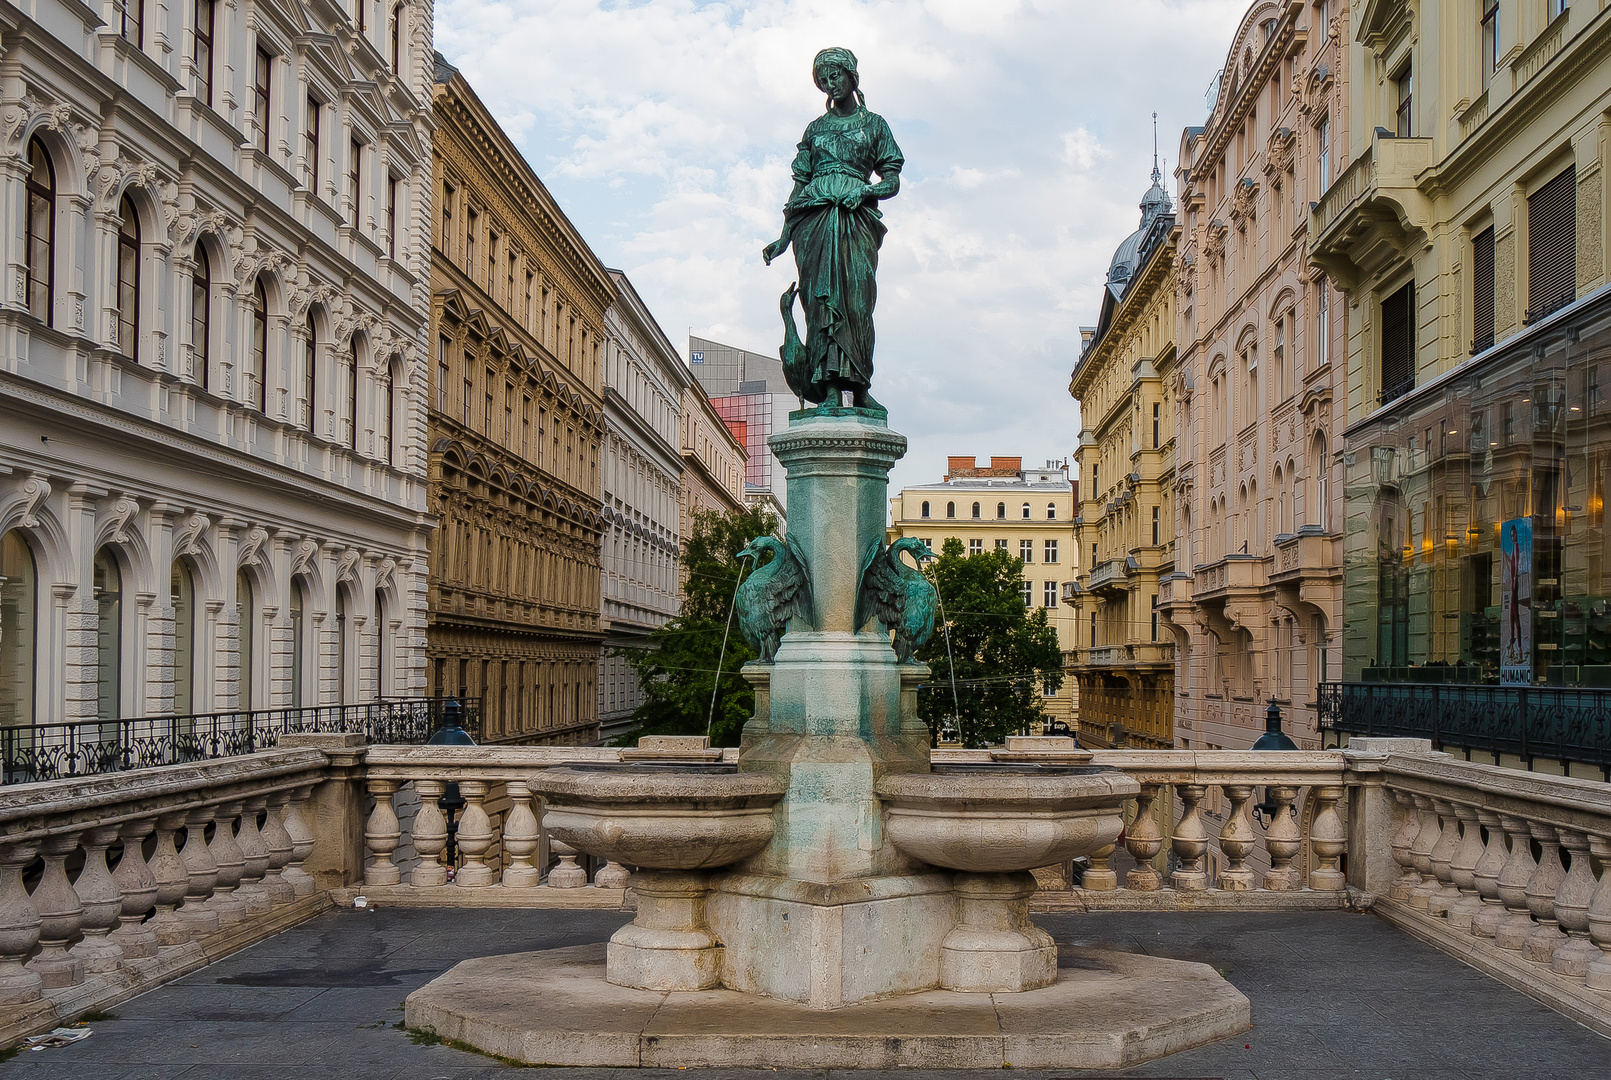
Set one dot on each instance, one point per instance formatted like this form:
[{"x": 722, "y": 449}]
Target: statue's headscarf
[{"x": 843, "y": 58}]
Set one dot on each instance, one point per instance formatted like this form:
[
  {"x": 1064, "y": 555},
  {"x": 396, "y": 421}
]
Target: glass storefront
[{"x": 1476, "y": 548}]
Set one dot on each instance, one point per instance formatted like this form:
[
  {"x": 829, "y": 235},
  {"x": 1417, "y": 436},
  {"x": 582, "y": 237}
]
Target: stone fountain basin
[
  {"x": 660, "y": 817},
  {"x": 1004, "y": 819}
]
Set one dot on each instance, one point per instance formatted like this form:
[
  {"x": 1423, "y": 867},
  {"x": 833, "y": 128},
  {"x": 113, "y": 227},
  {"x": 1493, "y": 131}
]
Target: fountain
[{"x": 831, "y": 901}]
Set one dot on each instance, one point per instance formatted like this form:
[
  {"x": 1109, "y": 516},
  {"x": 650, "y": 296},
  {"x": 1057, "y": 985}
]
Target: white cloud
[{"x": 666, "y": 129}]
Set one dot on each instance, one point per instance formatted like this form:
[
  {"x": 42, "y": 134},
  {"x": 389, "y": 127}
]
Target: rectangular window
[
  {"x": 1155, "y": 622},
  {"x": 526, "y": 315},
  {"x": 391, "y": 217},
  {"x": 1404, "y": 115},
  {"x": 310, "y": 143},
  {"x": 1490, "y": 41},
  {"x": 358, "y": 21},
  {"x": 1049, "y": 594},
  {"x": 1322, "y": 324},
  {"x": 471, "y": 220},
  {"x": 1026, "y": 550},
  {"x": 1001, "y": 545},
  {"x": 486, "y": 407},
  {"x": 509, "y": 289},
  {"x": 443, "y": 374},
  {"x": 1027, "y": 589},
  {"x": 262, "y": 76},
  {"x": 1154, "y": 526},
  {"x": 975, "y": 547},
  {"x": 1051, "y": 551},
  {"x": 1323, "y": 154},
  {"x": 509, "y": 415},
  {"x": 202, "y": 56},
  {"x": 1552, "y": 245},
  {"x": 1157, "y": 424},
  {"x": 1398, "y": 344},
  {"x": 928, "y": 542},
  {"x": 467, "y": 403},
  {"x": 525, "y": 427},
  {"x": 1557, "y": 8},
  {"x": 1482, "y": 290},
  {"x": 129, "y": 15},
  {"x": 492, "y": 264},
  {"x": 355, "y": 178}
]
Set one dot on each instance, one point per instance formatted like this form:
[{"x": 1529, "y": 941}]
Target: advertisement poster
[{"x": 1516, "y": 602}]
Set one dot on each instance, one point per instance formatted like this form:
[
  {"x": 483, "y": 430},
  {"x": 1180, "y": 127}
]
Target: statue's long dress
[{"x": 836, "y": 250}]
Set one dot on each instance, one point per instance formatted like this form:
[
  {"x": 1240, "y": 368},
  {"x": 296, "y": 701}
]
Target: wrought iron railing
[
  {"x": 90, "y": 747},
  {"x": 1563, "y": 723}
]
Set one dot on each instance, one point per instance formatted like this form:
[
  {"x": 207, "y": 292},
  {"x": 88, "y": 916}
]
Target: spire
[{"x": 1156, "y": 175}]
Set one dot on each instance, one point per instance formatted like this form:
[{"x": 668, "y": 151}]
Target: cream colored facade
[
  {"x": 1255, "y": 602},
  {"x": 713, "y": 461},
  {"x": 1125, "y": 382},
  {"x": 516, "y": 425},
  {"x": 1028, "y": 512}
]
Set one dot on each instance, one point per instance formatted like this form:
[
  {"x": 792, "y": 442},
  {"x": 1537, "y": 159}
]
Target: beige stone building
[
  {"x": 1468, "y": 232},
  {"x": 1028, "y": 512},
  {"x": 713, "y": 460},
  {"x": 1125, "y": 383},
  {"x": 1256, "y": 593},
  {"x": 516, "y": 421}
]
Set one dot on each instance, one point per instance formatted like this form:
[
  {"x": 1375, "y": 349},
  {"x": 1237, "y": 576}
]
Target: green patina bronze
[{"x": 832, "y": 220}]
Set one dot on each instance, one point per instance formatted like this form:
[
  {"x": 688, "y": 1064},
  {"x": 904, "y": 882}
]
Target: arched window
[
  {"x": 19, "y": 630},
  {"x": 1051, "y": 511},
  {"x": 108, "y": 636},
  {"x": 391, "y": 443},
  {"x": 352, "y": 394},
  {"x": 383, "y": 660},
  {"x": 310, "y": 373},
  {"x": 1001, "y": 511},
  {"x": 128, "y": 279},
  {"x": 344, "y": 646},
  {"x": 260, "y": 346},
  {"x": 299, "y": 609},
  {"x": 950, "y": 509},
  {"x": 1322, "y": 470},
  {"x": 183, "y": 590},
  {"x": 976, "y": 510},
  {"x": 201, "y": 318},
  {"x": 1026, "y": 511},
  {"x": 41, "y": 226},
  {"x": 245, "y": 620},
  {"x": 925, "y": 508}
]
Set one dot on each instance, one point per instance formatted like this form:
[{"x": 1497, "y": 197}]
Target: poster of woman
[{"x": 1516, "y": 602}]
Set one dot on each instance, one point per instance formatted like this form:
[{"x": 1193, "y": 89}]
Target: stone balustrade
[{"x": 140, "y": 877}]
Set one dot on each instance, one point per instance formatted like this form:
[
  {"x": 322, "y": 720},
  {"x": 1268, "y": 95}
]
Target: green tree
[
  {"x": 1005, "y": 653},
  {"x": 678, "y": 668}
]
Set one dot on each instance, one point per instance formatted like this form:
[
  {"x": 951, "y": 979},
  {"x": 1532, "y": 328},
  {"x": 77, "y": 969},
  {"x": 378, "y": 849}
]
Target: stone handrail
[{"x": 154, "y": 895}]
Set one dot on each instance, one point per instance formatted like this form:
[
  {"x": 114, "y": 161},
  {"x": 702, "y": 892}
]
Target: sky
[{"x": 665, "y": 129}]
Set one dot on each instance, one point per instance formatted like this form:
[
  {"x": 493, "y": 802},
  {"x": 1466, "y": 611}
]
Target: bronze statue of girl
[{"x": 832, "y": 220}]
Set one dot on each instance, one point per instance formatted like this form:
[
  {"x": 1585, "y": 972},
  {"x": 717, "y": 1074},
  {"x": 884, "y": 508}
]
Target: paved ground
[{"x": 1334, "y": 995}]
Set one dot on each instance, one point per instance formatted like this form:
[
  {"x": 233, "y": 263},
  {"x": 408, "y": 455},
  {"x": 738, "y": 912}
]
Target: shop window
[
  {"x": 1552, "y": 245},
  {"x": 19, "y": 630},
  {"x": 1482, "y": 290},
  {"x": 108, "y": 588},
  {"x": 1397, "y": 376}
]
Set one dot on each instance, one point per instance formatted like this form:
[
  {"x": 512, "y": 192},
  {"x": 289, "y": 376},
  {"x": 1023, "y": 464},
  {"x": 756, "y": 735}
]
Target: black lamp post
[
  {"x": 451, "y": 733},
  {"x": 1272, "y": 739}
]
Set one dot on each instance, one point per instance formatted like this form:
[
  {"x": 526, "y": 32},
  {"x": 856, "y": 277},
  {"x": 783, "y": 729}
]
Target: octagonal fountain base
[{"x": 1108, "y": 1010}]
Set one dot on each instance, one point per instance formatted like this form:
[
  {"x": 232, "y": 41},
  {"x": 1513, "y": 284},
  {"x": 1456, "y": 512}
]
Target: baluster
[
  {"x": 59, "y": 916},
  {"x": 1463, "y": 867},
  {"x": 1574, "y": 956},
  {"x": 255, "y": 857},
  {"x": 611, "y": 875},
  {"x": 474, "y": 837},
  {"x": 1099, "y": 876},
  {"x": 296, "y": 827},
  {"x": 1190, "y": 841},
  {"x": 1329, "y": 841},
  {"x": 231, "y": 865},
  {"x": 430, "y": 836},
  {"x": 1443, "y": 851},
  {"x": 1283, "y": 840},
  {"x": 520, "y": 839},
  {"x": 278, "y": 841},
  {"x": 172, "y": 881},
  {"x": 382, "y": 835},
  {"x": 1237, "y": 840},
  {"x": 102, "y": 902},
  {"x": 1426, "y": 838},
  {"x": 1518, "y": 870},
  {"x": 1599, "y": 976},
  {"x": 1546, "y": 881},
  {"x": 202, "y": 869},
  {"x": 137, "y": 890},
  {"x": 1408, "y": 878},
  {"x": 19, "y": 926},
  {"x": 567, "y": 875},
  {"x": 1143, "y": 840},
  {"x": 1486, "y": 875}
]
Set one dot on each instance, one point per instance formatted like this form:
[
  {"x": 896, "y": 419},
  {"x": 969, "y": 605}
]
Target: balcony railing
[
  {"x": 92, "y": 747},
  {"x": 1567, "y": 724}
]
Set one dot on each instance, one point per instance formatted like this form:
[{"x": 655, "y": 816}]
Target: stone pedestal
[
  {"x": 668, "y": 946},
  {"x": 994, "y": 948}
]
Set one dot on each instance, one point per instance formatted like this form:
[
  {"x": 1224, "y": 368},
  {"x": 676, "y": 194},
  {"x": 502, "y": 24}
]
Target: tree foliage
[
  {"x": 1006, "y": 654},
  {"x": 679, "y": 667}
]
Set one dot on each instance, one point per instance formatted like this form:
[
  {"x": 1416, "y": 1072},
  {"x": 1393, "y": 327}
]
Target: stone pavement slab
[{"x": 1335, "y": 995}]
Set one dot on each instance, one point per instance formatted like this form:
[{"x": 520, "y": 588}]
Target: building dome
[{"x": 1124, "y": 259}]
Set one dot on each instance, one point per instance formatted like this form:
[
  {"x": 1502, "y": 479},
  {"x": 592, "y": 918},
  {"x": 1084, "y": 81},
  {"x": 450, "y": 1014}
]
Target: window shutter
[
  {"x": 1552, "y": 245},
  {"x": 1482, "y": 290},
  {"x": 1398, "y": 344}
]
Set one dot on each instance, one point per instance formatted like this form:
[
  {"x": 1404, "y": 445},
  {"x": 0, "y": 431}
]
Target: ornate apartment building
[
  {"x": 1469, "y": 234},
  {"x": 1028, "y": 512},
  {"x": 644, "y": 382},
  {"x": 212, "y": 372},
  {"x": 1125, "y": 382},
  {"x": 713, "y": 460},
  {"x": 1255, "y": 600},
  {"x": 516, "y": 433}
]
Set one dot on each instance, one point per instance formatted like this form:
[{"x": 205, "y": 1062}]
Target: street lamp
[
  {"x": 1272, "y": 739},
  {"x": 451, "y": 733}
]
